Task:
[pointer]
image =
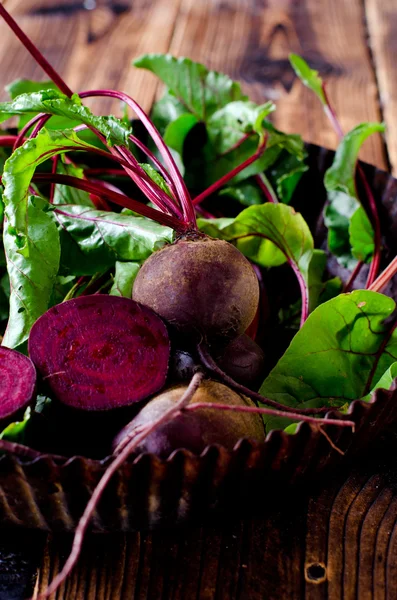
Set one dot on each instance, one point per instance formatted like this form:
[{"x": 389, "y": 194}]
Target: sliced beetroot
[
  {"x": 100, "y": 352},
  {"x": 17, "y": 383}
]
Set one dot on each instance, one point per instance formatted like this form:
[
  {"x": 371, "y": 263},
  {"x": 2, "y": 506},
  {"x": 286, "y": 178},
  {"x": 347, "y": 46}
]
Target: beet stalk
[
  {"x": 17, "y": 384},
  {"x": 100, "y": 352}
]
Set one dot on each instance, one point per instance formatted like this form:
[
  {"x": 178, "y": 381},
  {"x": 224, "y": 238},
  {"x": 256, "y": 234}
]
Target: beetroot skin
[
  {"x": 100, "y": 352},
  {"x": 17, "y": 384},
  {"x": 244, "y": 361},
  {"x": 204, "y": 287},
  {"x": 195, "y": 430}
]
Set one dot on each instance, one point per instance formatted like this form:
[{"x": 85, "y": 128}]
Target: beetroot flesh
[
  {"x": 100, "y": 352},
  {"x": 17, "y": 383},
  {"x": 203, "y": 287},
  {"x": 196, "y": 430}
]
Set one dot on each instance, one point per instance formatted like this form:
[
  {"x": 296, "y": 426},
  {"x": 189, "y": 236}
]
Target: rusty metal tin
[{"x": 147, "y": 492}]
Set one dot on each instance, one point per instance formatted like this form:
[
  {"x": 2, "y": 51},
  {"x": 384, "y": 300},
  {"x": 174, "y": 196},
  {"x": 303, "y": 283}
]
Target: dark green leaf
[
  {"x": 285, "y": 175},
  {"x": 385, "y": 382},
  {"x": 199, "y": 90},
  {"x": 124, "y": 278},
  {"x": 246, "y": 193},
  {"x": 177, "y": 130},
  {"x": 342, "y": 350}
]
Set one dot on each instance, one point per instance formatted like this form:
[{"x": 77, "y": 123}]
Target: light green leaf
[
  {"x": 32, "y": 274},
  {"x": 177, "y": 130},
  {"x": 339, "y": 354},
  {"x": 309, "y": 77},
  {"x": 124, "y": 278}
]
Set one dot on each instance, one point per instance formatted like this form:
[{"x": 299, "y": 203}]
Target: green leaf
[
  {"x": 285, "y": 175},
  {"x": 385, "y": 382},
  {"x": 55, "y": 103},
  {"x": 65, "y": 194},
  {"x": 199, "y": 90},
  {"x": 156, "y": 177},
  {"x": 124, "y": 278},
  {"x": 246, "y": 193},
  {"x": 228, "y": 125},
  {"x": 361, "y": 235},
  {"x": 275, "y": 233},
  {"x": 16, "y": 432},
  {"x": 27, "y": 86},
  {"x": 214, "y": 227},
  {"x": 345, "y": 242},
  {"x": 92, "y": 240},
  {"x": 32, "y": 273},
  {"x": 309, "y": 77},
  {"x": 18, "y": 172},
  {"x": 177, "y": 130},
  {"x": 340, "y": 353}
]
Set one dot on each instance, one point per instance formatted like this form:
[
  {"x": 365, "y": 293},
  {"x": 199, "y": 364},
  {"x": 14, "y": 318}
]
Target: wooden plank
[
  {"x": 381, "y": 19},
  {"x": 251, "y": 41},
  {"x": 90, "y": 48}
]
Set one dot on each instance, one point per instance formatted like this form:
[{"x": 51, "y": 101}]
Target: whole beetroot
[
  {"x": 196, "y": 430},
  {"x": 203, "y": 287},
  {"x": 244, "y": 361}
]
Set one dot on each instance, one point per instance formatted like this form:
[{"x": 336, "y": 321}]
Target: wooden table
[{"x": 336, "y": 541}]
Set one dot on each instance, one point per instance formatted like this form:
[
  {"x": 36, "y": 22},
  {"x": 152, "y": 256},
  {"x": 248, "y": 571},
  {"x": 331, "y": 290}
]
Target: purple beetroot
[
  {"x": 202, "y": 286},
  {"x": 244, "y": 361},
  {"x": 195, "y": 430},
  {"x": 100, "y": 352},
  {"x": 17, "y": 384}
]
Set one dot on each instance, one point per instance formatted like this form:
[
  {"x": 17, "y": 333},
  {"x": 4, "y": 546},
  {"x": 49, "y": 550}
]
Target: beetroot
[
  {"x": 17, "y": 384},
  {"x": 244, "y": 361},
  {"x": 100, "y": 352},
  {"x": 203, "y": 287},
  {"x": 196, "y": 430}
]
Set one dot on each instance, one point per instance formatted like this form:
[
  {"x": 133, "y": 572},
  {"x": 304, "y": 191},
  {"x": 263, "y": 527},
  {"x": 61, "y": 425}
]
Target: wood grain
[
  {"x": 381, "y": 19},
  {"x": 91, "y": 49},
  {"x": 250, "y": 40}
]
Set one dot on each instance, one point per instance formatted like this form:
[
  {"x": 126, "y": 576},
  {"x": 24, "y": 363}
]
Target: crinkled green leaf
[
  {"x": 18, "y": 172},
  {"x": 124, "y": 278},
  {"x": 347, "y": 243},
  {"x": 309, "y": 77},
  {"x": 65, "y": 194},
  {"x": 92, "y": 240},
  {"x": 228, "y": 125},
  {"x": 32, "y": 273},
  {"x": 156, "y": 177},
  {"x": 199, "y": 90},
  {"x": 55, "y": 103},
  {"x": 339, "y": 354}
]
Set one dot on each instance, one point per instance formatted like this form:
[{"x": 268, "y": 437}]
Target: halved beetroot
[
  {"x": 17, "y": 383},
  {"x": 100, "y": 352}
]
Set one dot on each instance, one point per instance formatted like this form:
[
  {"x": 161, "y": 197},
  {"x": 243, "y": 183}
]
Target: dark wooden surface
[{"x": 337, "y": 540}]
